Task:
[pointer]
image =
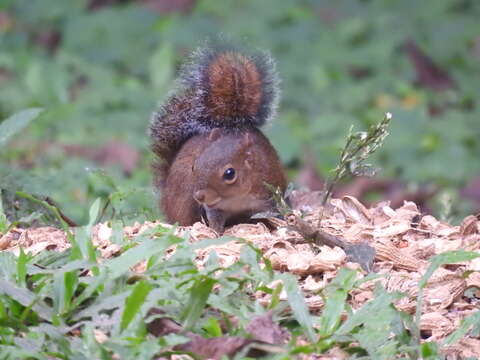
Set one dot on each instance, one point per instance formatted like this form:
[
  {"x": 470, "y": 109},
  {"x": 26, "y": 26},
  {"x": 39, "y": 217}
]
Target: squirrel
[{"x": 213, "y": 161}]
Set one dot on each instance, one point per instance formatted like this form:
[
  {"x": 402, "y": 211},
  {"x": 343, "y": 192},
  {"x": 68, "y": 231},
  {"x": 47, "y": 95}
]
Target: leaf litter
[{"x": 404, "y": 240}]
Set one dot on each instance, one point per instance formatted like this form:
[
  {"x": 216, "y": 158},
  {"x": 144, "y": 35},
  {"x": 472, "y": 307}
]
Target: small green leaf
[
  {"x": 381, "y": 305},
  {"x": 85, "y": 245},
  {"x": 336, "y": 296},
  {"x": 103, "y": 303},
  {"x": 133, "y": 302},
  {"x": 448, "y": 257},
  {"x": 275, "y": 298},
  {"x": 212, "y": 327},
  {"x": 145, "y": 250},
  {"x": 22, "y": 267},
  {"x": 97, "y": 283},
  {"x": 26, "y": 298},
  {"x": 429, "y": 351},
  {"x": 8, "y": 269},
  {"x": 15, "y": 123},
  {"x": 171, "y": 340},
  {"x": 298, "y": 304},
  {"x": 94, "y": 211},
  {"x": 199, "y": 294},
  {"x": 65, "y": 282},
  {"x": 3, "y": 218},
  {"x": 64, "y": 285}
]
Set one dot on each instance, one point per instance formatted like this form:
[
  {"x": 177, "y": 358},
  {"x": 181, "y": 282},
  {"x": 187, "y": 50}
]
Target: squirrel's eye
[{"x": 229, "y": 175}]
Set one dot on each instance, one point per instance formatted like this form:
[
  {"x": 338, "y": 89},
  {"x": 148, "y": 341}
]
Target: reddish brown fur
[
  {"x": 235, "y": 86},
  {"x": 185, "y": 176},
  {"x": 177, "y": 199}
]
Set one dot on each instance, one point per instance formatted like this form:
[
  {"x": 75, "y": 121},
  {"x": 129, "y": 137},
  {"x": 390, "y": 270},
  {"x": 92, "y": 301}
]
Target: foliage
[
  {"x": 99, "y": 73},
  {"x": 70, "y": 305},
  {"x": 16, "y": 123}
]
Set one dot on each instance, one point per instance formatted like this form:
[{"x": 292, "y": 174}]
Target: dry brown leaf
[
  {"x": 469, "y": 226},
  {"x": 351, "y": 210},
  {"x": 442, "y": 294},
  {"x": 311, "y": 284},
  {"x": 465, "y": 348},
  {"x": 36, "y": 240},
  {"x": 399, "y": 258},
  {"x": 263, "y": 328},
  {"x": 436, "y": 325}
]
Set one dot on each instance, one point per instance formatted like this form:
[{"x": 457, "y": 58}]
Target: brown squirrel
[{"x": 213, "y": 161}]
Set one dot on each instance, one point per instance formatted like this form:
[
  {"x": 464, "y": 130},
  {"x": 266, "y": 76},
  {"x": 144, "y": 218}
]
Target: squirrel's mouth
[{"x": 212, "y": 204}]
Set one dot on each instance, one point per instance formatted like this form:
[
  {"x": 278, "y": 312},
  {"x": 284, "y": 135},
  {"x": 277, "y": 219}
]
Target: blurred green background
[{"x": 99, "y": 69}]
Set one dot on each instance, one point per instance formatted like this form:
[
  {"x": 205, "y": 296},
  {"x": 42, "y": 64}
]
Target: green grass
[{"x": 52, "y": 304}]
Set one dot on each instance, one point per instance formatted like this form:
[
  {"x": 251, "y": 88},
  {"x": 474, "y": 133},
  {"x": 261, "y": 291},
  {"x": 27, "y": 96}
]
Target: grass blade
[
  {"x": 26, "y": 298},
  {"x": 146, "y": 249},
  {"x": 336, "y": 295},
  {"x": 298, "y": 304},
  {"x": 15, "y": 123},
  {"x": 22, "y": 261},
  {"x": 199, "y": 294},
  {"x": 133, "y": 303},
  {"x": 448, "y": 257}
]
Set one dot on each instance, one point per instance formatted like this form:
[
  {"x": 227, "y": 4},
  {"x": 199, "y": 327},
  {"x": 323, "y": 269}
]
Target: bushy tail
[
  {"x": 219, "y": 87},
  {"x": 169, "y": 128},
  {"x": 234, "y": 89}
]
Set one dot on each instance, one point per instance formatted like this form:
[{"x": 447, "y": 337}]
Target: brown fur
[
  {"x": 235, "y": 86},
  {"x": 177, "y": 199},
  {"x": 199, "y": 166}
]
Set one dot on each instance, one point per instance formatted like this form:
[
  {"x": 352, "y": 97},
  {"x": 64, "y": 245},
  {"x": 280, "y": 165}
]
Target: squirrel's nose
[{"x": 199, "y": 195}]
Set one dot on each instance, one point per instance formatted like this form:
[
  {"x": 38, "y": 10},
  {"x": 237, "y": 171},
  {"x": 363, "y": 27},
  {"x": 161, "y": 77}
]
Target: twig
[
  {"x": 65, "y": 218},
  {"x": 317, "y": 236},
  {"x": 360, "y": 253},
  {"x": 358, "y": 147},
  {"x": 49, "y": 207}
]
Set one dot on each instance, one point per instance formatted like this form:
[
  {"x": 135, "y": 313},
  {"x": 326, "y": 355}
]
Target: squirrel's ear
[{"x": 214, "y": 134}]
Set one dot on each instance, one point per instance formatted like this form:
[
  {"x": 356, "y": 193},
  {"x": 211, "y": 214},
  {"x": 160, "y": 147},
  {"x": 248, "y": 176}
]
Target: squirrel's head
[{"x": 224, "y": 171}]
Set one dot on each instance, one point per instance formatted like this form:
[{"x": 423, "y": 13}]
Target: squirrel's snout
[
  {"x": 207, "y": 197},
  {"x": 199, "y": 196}
]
